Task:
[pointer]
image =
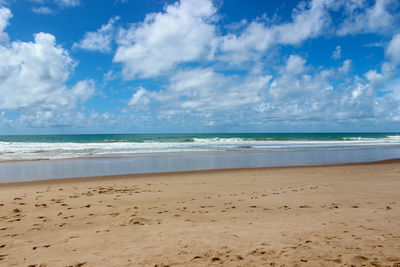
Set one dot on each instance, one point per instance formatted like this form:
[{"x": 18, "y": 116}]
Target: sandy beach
[{"x": 287, "y": 216}]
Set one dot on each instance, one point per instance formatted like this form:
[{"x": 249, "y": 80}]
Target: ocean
[
  {"x": 39, "y": 157},
  {"x": 40, "y": 147}
]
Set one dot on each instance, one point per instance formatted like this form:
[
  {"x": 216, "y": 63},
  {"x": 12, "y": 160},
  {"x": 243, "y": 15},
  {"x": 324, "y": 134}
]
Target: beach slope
[{"x": 311, "y": 216}]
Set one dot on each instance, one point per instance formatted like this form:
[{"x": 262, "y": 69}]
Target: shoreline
[
  {"x": 181, "y": 173},
  {"x": 111, "y": 166},
  {"x": 253, "y": 150}
]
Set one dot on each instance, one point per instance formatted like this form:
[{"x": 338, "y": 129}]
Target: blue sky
[{"x": 141, "y": 66}]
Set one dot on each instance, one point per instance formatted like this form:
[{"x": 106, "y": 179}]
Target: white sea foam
[{"x": 33, "y": 151}]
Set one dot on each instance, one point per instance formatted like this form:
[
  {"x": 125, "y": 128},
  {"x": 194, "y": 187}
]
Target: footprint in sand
[
  {"x": 334, "y": 206},
  {"x": 139, "y": 221},
  {"x": 359, "y": 259}
]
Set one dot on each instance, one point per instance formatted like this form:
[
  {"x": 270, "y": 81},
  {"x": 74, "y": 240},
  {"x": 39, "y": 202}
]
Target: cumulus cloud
[
  {"x": 33, "y": 76},
  {"x": 186, "y": 32},
  {"x": 70, "y": 119},
  {"x": 5, "y": 16},
  {"x": 197, "y": 66},
  {"x": 311, "y": 95},
  {"x": 346, "y": 66},
  {"x": 163, "y": 40},
  {"x": 325, "y": 95},
  {"x": 202, "y": 92},
  {"x": 83, "y": 90},
  {"x": 292, "y": 91},
  {"x": 207, "y": 90},
  {"x": 99, "y": 40},
  {"x": 393, "y": 49},
  {"x": 373, "y": 76},
  {"x": 295, "y": 64},
  {"x": 308, "y": 21},
  {"x": 376, "y": 18}
]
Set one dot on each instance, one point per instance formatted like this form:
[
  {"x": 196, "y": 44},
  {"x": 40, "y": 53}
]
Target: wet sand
[{"x": 285, "y": 216}]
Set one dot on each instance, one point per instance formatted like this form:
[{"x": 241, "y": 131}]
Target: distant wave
[
  {"x": 28, "y": 150},
  {"x": 115, "y": 141},
  {"x": 245, "y": 147}
]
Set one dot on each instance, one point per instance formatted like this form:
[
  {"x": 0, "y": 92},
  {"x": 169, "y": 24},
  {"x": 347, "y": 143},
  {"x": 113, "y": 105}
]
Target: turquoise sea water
[
  {"x": 33, "y": 147},
  {"x": 108, "y": 138}
]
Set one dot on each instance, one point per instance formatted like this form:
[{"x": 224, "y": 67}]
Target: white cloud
[
  {"x": 67, "y": 3},
  {"x": 139, "y": 98},
  {"x": 83, "y": 90},
  {"x": 303, "y": 92},
  {"x": 373, "y": 76},
  {"x": 206, "y": 90},
  {"x": 179, "y": 34},
  {"x": 5, "y": 16},
  {"x": 351, "y": 6},
  {"x": 308, "y": 21},
  {"x": 33, "y": 76},
  {"x": 393, "y": 49},
  {"x": 69, "y": 119},
  {"x": 99, "y": 40},
  {"x": 43, "y": 10},
  {"x": 376, "y": 18},
  {"x": 60, "y": 3},
  {"x": 33, "y": 83},
  {"x": 319, "y": 97},
  {"x": 50, "y": 118},
  {"x": 337, "y": 53},
  {"x": 295, "y": 64},
  {"x": 201, "y": 92},
  {"x": 346, "y": 66},
  {"x": 310, "y": 95},
  {"x": 185, "y": 32},
  {"x": 254, "y": 39}
]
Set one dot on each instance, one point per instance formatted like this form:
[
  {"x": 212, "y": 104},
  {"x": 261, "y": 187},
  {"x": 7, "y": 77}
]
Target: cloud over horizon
[{"x": 183, "y": 64}]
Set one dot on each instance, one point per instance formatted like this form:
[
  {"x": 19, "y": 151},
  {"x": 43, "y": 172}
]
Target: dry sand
[{"x": 307, "y": 216}]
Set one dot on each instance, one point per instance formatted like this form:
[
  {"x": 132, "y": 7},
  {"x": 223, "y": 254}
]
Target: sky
[{"x": 141, "y": 66}]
